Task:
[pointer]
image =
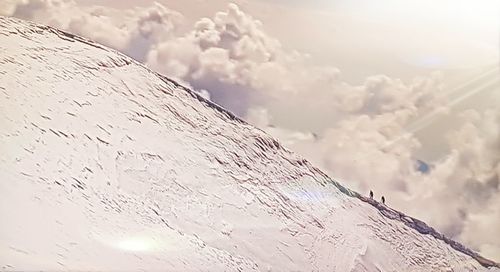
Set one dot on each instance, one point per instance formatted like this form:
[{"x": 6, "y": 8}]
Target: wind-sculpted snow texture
[{"x": 106, "y": 165}]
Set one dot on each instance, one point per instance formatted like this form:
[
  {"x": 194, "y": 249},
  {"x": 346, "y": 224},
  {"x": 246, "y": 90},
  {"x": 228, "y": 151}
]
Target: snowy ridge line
[
  {"x": 200, "y": 98},
  {"x": 425, "y": 229},
  {"x": 128, "y": 60},
  {"x": 411, "y": 222},
  {"x": 67, "y": 36}
]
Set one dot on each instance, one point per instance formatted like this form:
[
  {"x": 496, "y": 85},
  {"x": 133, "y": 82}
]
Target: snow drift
[{"x": 106, "y": 165}]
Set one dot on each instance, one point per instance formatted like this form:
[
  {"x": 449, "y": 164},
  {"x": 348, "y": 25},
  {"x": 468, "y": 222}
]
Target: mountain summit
[{"x": 106, "y": 165}]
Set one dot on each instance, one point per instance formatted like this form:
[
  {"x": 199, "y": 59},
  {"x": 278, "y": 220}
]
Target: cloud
[
  {"x": 357, "y": 133},
  {"x": 152, "y": 26},
  {"x": 468, "y": 180},
  {"x": 133, "y": 32},
  {"x": 223, "y": 55},
  {"x": 30, "y": 8}
]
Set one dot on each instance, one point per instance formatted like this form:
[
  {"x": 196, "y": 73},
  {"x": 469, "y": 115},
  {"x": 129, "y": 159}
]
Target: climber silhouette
[
  {"x": 371, "y": 194},
  {"x": 383, "y": 200}
]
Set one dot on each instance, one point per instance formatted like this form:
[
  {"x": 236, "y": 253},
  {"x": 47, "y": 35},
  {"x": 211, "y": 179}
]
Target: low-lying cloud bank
[{"x": 356, "y": 133}]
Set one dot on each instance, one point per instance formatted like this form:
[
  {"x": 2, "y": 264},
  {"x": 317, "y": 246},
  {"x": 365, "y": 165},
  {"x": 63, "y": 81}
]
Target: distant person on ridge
[
  {"x": 371, "y": 194},
  {"x": 383, "y": 200}
]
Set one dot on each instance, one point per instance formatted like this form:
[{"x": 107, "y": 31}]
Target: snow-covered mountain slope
[{"x": 106, "y": 165}]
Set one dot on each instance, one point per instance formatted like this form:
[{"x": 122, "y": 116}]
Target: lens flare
[{"x": 135, "y": 244}]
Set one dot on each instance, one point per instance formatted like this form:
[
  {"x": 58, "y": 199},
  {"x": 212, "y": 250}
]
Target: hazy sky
[
  {"x": 364, "y": 89},
  {"x": 362, "y": 38}
]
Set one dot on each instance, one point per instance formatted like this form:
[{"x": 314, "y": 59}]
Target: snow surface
[{"x": 106, "y": 165}]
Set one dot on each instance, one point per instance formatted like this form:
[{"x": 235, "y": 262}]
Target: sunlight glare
[{"x": 135, "y": 244}]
